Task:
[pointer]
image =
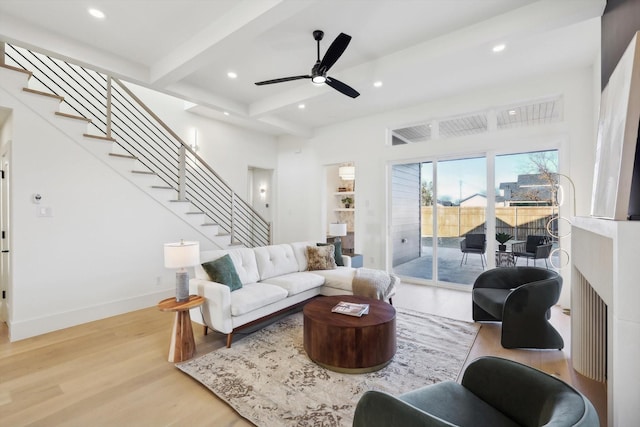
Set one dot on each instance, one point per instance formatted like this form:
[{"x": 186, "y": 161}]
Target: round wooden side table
[{"x": 183, "y": 345}]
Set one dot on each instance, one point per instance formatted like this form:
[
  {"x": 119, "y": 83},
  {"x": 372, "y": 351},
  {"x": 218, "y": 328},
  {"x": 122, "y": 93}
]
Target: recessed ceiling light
[
  {"x": 499, "y": 47},
  {"x": 226, "y": 113},
  {"x": 512, "y": 112},
  {"x": 301, "y": 106},
  {"x": 232, "y": 75},
  {"x": 377, "y": 84},
  {"x": 96, "y": 13}
]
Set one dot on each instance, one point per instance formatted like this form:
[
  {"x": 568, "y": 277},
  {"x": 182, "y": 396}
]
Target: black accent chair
[
  {"x": 474, "y": 244},
  {"x": 536, "y": 247},
  {"x": 521, "y": 298},
  {"x": 494, "y": 392}
]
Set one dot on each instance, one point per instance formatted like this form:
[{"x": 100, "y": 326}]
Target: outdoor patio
[{"x": 449, "y": 268}]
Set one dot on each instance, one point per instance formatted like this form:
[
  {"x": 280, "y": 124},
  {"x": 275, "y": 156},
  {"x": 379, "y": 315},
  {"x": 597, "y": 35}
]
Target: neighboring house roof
[
  {"x": 529, "y": 188},
  {"x": 474, "y": 200}
]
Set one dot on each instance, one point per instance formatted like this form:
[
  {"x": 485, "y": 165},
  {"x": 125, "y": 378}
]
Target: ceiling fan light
[{"x": 318, "y": 79}]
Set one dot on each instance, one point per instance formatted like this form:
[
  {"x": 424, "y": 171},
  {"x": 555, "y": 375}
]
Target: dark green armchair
[
  {"x": 521, "y": 298},
  {"x": 494, "y": 392}
]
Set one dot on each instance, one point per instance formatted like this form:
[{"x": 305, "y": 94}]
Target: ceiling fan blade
[
  {"x": 284, "y": 79},
  {"x": 342, "y": 88},
  {"x": 334, "y": 52}
]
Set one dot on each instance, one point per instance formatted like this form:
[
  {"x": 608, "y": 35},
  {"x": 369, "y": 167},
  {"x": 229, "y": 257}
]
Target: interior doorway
[
  {"x": 260, "y": 191},
  {"x": 340, "y": 181}
]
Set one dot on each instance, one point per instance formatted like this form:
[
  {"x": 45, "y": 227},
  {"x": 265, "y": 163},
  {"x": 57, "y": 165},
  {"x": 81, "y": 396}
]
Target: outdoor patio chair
[
  {"x": 474, "y": 244},
  {"x": 536, "y": 247}
]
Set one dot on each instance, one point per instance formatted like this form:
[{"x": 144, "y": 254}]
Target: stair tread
[
  {"x": 162, "y": 187},
  {"x": 72, "y": 116},
  {"x": 208, "y": 224},
  {"x": 103, "y": 138},
  {"x": 195, "y": 213},
  {"x": 39, "y": 92},
  {"x": 180, "y": 201},
  {"x": 124, "y": 156},
  {"x": 20, "y": 70},
  {"x": 143, "y": 172}
]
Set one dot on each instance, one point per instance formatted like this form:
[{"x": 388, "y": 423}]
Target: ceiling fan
[{"x": 319, "y": 71}]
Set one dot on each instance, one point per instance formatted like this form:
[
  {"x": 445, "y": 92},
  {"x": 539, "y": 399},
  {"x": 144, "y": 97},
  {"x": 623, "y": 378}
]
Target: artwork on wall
[{"x": 617, "y": 136}]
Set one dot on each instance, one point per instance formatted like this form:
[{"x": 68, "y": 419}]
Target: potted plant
[
  {"x": 503, "y": 238},
  {"x": 347, "y": 201}
]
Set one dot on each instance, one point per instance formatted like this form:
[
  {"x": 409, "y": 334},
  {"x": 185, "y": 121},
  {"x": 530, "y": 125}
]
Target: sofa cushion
[
  {"x": 452, "y": 402},
  {"x": 338, "y": 278},
  {"x": 275, "y": 260},
  {"x": 300, "y": 252},
  {"x": 337, "y": 253},
  {"x": 491, "y": 300},
  {"x": 222, "y": 271},
  {"x": 244, "y": 261},
  {"x": 253, "y": 296},
  {"x": 294, "y": 283},
  {"x": 321, "y": 258}
]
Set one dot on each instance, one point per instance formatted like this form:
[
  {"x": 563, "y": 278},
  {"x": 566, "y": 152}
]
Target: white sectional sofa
[{"x": 274, "y": 278}]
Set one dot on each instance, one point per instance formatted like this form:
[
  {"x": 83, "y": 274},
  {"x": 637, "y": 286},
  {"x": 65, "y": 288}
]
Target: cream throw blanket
[{"x": 372, "y": 283}]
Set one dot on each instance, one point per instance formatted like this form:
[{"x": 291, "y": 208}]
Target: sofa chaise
[{"x": 274, "y": 279}]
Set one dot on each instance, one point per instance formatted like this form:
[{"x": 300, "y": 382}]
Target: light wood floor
[{"x": 114, "y": 372}]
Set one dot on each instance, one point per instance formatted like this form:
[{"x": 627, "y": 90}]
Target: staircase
[{"x": 106, "y": 118}]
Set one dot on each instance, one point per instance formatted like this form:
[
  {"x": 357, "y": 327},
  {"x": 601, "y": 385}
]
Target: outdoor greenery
[
  {"x": 426, "y": 193},
  {"x": 503, "y": 238}
]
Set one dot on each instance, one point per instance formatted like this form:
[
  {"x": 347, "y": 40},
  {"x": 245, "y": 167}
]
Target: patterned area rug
[{"x": 269, "y": 380}]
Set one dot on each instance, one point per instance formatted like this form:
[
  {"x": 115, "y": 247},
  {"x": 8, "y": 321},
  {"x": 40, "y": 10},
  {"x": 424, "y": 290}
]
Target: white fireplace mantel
[{"x": 606, "y": 253}]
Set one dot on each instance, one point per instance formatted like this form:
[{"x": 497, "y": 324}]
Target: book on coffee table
[{"x": 351, "y": 308}]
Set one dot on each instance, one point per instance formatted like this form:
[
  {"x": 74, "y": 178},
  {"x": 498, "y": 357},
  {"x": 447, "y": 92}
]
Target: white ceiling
[{"x": 420, "y": 49}]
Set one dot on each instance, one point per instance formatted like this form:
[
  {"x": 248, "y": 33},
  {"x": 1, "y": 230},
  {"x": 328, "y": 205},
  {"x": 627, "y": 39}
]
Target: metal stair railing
[{"x": 116, "y": 112}]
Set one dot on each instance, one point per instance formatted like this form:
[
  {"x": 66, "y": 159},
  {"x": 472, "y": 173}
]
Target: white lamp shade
[
  {"x": 347, "y": 173},
  {"x": 181, "y": 254},
  {"x": 337, "y": 229}
]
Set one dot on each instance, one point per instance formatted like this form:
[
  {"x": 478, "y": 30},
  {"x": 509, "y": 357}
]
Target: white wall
[{"x": 365, "y": 142}]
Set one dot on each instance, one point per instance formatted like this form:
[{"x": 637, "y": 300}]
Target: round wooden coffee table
[{"x": 346, "y": 343}]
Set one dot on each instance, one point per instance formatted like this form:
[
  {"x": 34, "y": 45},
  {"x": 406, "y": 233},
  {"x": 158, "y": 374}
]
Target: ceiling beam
[{"x": 245, "y": 22}]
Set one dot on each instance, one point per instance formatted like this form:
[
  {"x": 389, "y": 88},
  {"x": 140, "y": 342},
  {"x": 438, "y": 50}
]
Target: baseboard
[{"x": 23, "y": 329}]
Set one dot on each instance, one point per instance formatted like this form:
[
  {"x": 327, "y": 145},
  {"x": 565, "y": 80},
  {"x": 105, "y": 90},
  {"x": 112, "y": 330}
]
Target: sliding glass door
[
  {"x": 526, "y": 201},
  {"x": 439, "y": 215},
  {"x": 461, "y": 211},
  {"x": 451, "y": 199}
]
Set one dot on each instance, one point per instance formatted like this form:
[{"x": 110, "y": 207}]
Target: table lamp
[
  {"x": 337, "y": 230},
  {"x": 181, "y": 255}
]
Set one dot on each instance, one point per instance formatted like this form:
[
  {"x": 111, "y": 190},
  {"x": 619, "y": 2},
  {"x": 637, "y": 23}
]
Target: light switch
[{"x": 44, "y": 211}]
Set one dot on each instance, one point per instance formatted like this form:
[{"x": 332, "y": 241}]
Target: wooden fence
[{"x": 456, "y": 221}]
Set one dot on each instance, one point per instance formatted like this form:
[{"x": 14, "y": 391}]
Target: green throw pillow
[
  {"x": 222, "y": 271},
  {"x": 338, "y": 251}
]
